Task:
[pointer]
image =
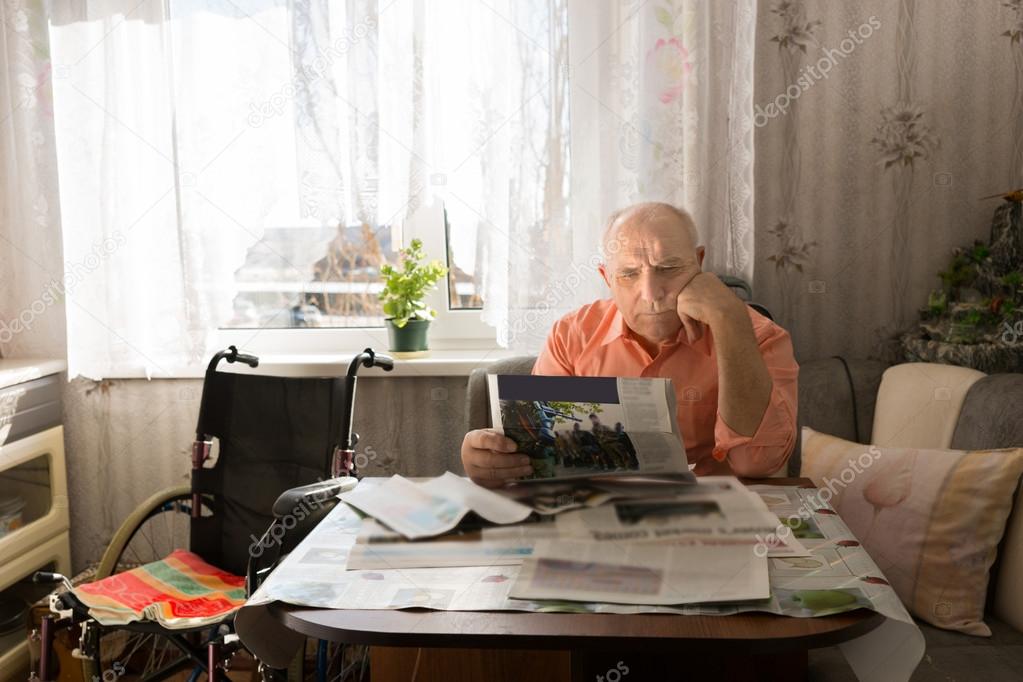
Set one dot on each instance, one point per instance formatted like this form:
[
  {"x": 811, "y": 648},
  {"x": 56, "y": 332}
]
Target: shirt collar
[{"x": 617, "y": 328}]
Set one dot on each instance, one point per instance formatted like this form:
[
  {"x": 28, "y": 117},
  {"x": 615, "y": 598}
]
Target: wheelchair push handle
[
  {"x": 234, "y": 356},
  {"x": 343, "y": 463},
  {"x": 231, "y": 355},
  {"x": 370, "y": 358}
]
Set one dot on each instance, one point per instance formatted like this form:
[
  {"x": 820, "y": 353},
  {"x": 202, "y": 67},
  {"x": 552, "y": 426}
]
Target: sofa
[{"x": 917, "y": 405}]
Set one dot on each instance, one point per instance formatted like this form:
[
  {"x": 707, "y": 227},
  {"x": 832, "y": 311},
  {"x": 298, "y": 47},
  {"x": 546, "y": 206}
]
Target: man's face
[{"x": 651, "y": 258}]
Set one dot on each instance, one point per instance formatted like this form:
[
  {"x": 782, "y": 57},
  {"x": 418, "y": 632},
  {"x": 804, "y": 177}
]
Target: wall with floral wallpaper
[{"x": 879, "y": 125}]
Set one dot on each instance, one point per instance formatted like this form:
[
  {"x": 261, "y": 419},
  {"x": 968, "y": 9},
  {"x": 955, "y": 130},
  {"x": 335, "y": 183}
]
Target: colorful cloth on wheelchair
[{"x": 180, "y": 591}]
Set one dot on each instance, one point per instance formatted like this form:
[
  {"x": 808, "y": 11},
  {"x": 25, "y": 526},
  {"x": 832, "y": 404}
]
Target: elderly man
[{"x": 733, "y": 369}]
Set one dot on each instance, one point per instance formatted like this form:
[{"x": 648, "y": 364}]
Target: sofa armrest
[
  {"x": 992, "y": 417},
  {"x": 826, "y": 401}
]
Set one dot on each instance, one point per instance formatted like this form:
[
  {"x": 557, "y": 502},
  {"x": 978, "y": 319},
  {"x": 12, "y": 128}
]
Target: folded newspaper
[
  {"x": 717, "y": 510},
  {"x": 642, "y": 573},
  {"x": 586, "y": 427},
  {"x": 420, "y": 510},
  {"x": 719, "y": 506}
]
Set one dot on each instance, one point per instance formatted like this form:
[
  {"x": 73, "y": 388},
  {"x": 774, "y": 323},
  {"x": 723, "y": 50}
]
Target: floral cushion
[{"x": 930, "y": 519}]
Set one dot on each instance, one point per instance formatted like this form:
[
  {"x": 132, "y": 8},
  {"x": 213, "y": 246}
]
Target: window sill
[
  {"x": 439, "y": 363},
  {"x": 16, "y": 371}
]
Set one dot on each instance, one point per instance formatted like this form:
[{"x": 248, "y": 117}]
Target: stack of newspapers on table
[
  {"x": 610, "y": 521},
  {"x": 611, "y": 513}
]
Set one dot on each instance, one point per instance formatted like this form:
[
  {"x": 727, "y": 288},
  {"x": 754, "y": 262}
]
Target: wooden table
[{"x": 485, "y": 645}]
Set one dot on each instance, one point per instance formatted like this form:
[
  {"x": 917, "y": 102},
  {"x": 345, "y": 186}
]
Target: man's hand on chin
[
  {"x": 744, "y": 384},
  {"x": 706, "y": 300}
]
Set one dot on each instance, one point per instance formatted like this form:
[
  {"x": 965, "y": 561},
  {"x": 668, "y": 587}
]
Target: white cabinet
[
  {"x": 33, "y": 495},
  {"x": 33, "y": 480},
  {"x": 52, "y": 555}
]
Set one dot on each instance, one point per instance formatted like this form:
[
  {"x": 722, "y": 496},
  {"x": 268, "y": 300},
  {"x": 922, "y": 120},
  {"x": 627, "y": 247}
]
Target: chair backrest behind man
[{"x": 477, "y": 395}]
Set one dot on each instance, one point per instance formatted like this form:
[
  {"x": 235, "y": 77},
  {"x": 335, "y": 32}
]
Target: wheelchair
[{"x": 258, "y": 439}]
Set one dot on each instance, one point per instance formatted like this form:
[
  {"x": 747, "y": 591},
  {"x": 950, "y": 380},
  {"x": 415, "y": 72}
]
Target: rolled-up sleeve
[{"x": 768, "y": 449}]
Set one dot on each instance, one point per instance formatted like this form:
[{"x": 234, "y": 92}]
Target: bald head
[
  {"x": 650, "y": 253},
  {"x": 646, "y": 213}
]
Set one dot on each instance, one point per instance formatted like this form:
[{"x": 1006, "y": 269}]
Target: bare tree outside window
[{"x": 340, "y": 288}]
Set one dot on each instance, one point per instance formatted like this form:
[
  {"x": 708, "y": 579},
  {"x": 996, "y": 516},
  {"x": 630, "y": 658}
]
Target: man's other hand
[{"x": 490, "y": 459}]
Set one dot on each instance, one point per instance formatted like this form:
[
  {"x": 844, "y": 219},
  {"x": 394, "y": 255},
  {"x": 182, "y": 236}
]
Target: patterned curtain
[
  {"x": 879, "y": 125},
  {"x": 32, "y": 282},
  {"x": 655, "y": 102},
  {"x": 186, "y": 128}
]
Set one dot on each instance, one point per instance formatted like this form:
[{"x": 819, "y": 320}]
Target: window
[
  {"x": 259, "y": 162},
  {"x": 338, "y": 287},
  {"x": 304, "y": 277},
  {"x": 464, "y": 291},
  {"x": 316, "y": 276}
]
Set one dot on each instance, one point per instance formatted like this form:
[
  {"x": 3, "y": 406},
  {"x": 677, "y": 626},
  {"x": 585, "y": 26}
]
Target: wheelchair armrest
[
  {"x": 296, "y": 512},
  {"x": 311, "y": 497}
]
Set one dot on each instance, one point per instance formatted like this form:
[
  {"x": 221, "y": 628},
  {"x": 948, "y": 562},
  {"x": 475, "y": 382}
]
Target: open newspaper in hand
[{"x": 584, "y": 427}]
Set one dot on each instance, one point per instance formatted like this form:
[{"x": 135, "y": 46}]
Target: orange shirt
[{"x": 595, "y": 341}]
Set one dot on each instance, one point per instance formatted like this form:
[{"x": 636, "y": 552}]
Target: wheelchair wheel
[{"x": 157, "y": 527}]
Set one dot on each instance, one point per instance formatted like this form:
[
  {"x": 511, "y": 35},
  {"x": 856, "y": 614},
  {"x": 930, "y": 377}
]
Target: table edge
[{"x": 293, "y": 617}]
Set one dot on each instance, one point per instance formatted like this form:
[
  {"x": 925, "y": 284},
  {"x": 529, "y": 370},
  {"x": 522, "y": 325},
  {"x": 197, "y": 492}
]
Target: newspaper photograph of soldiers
[{"x": 565, "y": 438}]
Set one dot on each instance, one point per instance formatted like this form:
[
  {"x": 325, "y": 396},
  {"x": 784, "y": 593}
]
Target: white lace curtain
[
  {"x": 660, "y": 101},
  {"x": 31, "y": 311},
  {"x": 184, "y": 128}
]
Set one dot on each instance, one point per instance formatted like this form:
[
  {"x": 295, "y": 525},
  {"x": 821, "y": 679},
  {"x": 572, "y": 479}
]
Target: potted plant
[{"x": 405, "y": 287}]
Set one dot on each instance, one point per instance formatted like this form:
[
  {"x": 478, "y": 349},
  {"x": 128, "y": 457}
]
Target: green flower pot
[{"x": 408, "y": 339}]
